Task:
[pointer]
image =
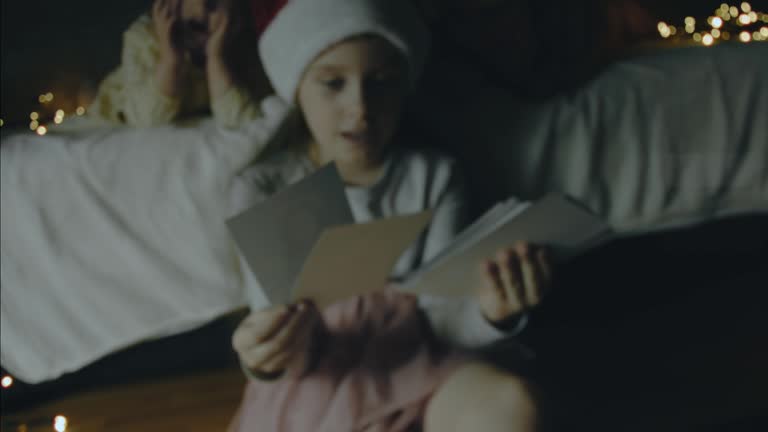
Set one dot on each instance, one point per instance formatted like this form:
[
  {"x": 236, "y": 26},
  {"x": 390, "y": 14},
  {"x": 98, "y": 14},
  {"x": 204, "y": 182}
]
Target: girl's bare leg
[{"x": 480, "y": 397}]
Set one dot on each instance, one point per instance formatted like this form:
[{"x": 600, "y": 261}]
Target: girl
[
  {"x": 385, "y": 361},
  {"x": 177, "y": 61}
]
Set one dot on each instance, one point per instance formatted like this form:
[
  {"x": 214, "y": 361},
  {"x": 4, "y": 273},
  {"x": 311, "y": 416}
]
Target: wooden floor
[{"x": 195, "y": 403}]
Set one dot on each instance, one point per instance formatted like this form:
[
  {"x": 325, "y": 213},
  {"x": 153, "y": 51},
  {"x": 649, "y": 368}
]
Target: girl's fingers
[
  {"x": 531, "y": 275},
  {"x": 176, "y": 8},
  {"x": 274, "y": 364},
  {"x": 266, "y": 324},
  {"x": 512, "y": 279},
  {"x": 284, "y": 339},
  {"x": 157, "y": 9},
  {"x": 492, "y": 283}
]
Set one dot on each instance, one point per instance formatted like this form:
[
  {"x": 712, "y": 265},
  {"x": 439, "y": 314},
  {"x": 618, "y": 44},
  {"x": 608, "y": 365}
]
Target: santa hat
[{"x": 295, "y": 32}]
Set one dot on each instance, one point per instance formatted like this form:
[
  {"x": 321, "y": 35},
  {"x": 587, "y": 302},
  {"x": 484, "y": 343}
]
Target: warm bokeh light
[
  {"x": 34, "y": 115},
  {"x": 746, "y": 7},
  {"x": 734, "y": 11},
  {"x": 60, "y": 423},
  {"x": 33, "y": 125},
  {"x": 689, "y": 21},
  {"x": 745, "y": 36},
  {"x": 7, "y": 380},
  {"x": 707, "y": 39},
  {"x": 764, "y": 31},
  {"x": 716, "y": 33},
  {"x": 42, "y": 130},
  {"x": 689, "y": 29},
  {"x": 697, "y": 37},
  {"x": 1, "y": 122},
  {"x": 726, "y": 36},
  {"x": 664, "y": 30},
  {"x": 80, "y": 111},
  {"x": 744, "y": 19},
  {"x": 717, "y": 22},
  {"x": 752, "y": 17}
]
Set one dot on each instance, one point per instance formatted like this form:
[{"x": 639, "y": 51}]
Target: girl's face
[{"x": 351, "y": 97}]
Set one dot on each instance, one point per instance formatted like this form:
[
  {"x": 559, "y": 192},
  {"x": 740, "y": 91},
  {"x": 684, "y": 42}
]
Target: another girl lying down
[{"x": 386, "y": 361}]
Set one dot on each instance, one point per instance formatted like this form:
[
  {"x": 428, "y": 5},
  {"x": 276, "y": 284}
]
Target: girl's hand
[
  {"x": 272, "y": 340},
  {"x": 166, "y": 18},
  {"x": 219, "y": 30},
  {"x": 514, "y": 282},
  {"x": 220, "y": 79}
]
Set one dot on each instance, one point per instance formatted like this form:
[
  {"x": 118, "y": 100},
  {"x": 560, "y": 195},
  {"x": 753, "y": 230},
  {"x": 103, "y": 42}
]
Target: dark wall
[{"x": 64, "y": 47}]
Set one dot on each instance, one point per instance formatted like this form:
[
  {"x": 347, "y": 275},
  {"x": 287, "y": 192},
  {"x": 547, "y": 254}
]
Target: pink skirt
[{"x": 377, "y": 373}]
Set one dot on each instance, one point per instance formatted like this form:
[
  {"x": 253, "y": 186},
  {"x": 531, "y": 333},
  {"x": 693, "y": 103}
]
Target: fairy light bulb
[
  {"x": 42, "y": 130},
  {"x": 60, "y": 423},
  {"x": 34, "y": 115},
  {"x": 664, "y": 30},
  {"x": 764, "y": 31},
  {"x": 745, "y": 36},
  {"x": 752, "y": 17},
  {"x": 746, "y": 7},
  {"x": 744, "y": 19},
  {"x": 707, "y": 39},
  {"x": 716, "y": 33},
  {"x": 7, "y": 380},
  {"x": 697, "y": 37},
  {"x": 33, "y": 125},
  {"x": 717, "y": 22},
  {"x": 734, "y": 11}
]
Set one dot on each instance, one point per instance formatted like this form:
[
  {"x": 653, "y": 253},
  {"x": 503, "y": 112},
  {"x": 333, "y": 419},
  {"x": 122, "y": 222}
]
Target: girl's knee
[{"x": 481, "y": 397}]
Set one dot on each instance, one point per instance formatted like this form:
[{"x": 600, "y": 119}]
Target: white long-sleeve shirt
[{"x": 412, "y": 181}]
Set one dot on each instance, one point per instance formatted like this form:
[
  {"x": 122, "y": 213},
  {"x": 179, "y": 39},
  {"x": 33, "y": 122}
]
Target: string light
[
  {"x": 34, "y": 115},
  {"x": 7, "y": 380},
  {"x": 664, "y": 29},
  {"x": 80, "y": 111},
  {"x": 744, "y": 19},
  {"x": 42, "y": 130},
  {"x": 60, "y": 423},
  {"x": 720, "y": 26},
  {"x": 764, "y": 31},
  {"x": 33, "y": 125},
  {"x": 745, "y": 36}
]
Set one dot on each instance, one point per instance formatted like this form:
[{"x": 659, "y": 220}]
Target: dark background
[{"x": 67, "y": 47}]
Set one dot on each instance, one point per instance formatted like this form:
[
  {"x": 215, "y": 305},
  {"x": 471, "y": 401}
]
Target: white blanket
[
  {"x": 113, "y": 237},
  {"x": 662, "y": 140}
]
